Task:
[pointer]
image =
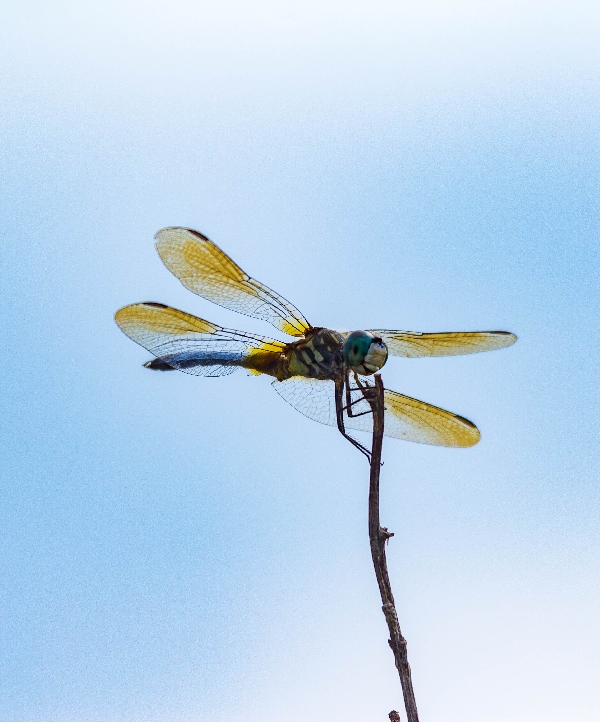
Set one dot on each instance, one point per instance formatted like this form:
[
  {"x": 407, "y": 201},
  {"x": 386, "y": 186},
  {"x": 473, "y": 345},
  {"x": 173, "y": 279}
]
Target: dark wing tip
[
  {"x": 181, "y": 228},
  {"x": 466, "y": 422},
  {"x": 510, "y": 337},
  {"x": 476, "y": 435}
]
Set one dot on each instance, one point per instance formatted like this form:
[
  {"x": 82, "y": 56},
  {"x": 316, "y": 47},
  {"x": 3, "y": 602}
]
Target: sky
[{"x": 177, "y": 548}]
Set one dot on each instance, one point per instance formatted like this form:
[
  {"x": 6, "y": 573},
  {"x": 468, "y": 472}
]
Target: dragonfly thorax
[
  {"x": 364, "y": 352},
  {"x": 319, "y": 355},
  {"x": 324, "y": 353}
]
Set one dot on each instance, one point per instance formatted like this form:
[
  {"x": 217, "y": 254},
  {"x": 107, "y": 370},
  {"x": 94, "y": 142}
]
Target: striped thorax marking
[{"x": 317, "y": 356}]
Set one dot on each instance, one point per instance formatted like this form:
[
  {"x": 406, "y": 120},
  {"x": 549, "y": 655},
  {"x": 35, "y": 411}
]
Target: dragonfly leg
[
  {"x": 339, "y": 410},
  {"x": 366, "y": 392}
]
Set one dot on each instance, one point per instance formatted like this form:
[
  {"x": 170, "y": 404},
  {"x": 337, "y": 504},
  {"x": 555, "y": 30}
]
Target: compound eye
[{"x": 356, "y": 347}]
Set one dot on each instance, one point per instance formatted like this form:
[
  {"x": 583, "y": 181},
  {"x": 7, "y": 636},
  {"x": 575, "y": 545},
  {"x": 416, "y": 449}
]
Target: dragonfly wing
[
  {"x": 312, "y": 397},
  {"x": 203, "y": 268},
  {"x": 405, "y": 418},
  {"x": 193, "y": 345},
  {"x": 413, "y": 344}
]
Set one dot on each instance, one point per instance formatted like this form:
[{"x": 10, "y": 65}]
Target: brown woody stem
[{"x": 378, "y": 537}]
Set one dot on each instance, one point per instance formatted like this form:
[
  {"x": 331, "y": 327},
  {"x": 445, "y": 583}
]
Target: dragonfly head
[{"x": 364, "y": 352}]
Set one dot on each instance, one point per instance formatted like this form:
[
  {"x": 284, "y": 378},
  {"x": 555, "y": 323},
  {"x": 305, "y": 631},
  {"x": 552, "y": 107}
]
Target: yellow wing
[
  {"x": 203, "y": 268},
  {"x": 413, "y": 344},
  {"x": 405, "y": 418},
  {"x": 184, "y": 342},
  {"x": 412, "y": 420}
]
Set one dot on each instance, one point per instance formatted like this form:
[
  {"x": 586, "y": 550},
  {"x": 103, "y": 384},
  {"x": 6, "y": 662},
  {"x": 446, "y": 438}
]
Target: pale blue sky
[{"x": 178, "y": 549}]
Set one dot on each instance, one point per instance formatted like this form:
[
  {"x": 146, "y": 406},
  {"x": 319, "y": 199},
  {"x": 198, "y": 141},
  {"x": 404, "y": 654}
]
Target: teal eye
[{"x": 356, "y": 347}]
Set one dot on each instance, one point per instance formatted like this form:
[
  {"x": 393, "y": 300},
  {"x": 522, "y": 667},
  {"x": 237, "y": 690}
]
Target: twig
[{"x": 379, "y": 537}]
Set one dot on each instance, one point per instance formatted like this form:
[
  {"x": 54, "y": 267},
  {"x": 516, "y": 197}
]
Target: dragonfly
[{"x": 323, "y": 373}]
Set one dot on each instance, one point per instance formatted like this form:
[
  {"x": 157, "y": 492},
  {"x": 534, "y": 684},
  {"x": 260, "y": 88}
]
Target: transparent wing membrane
[
  {"x": 203, "y": 268},
  {"x": 413, "y": 420},
  {"x": 190, "y": 344},
  {"x": 413, "y": 344},
  {"x": 405, "y": 418}
]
